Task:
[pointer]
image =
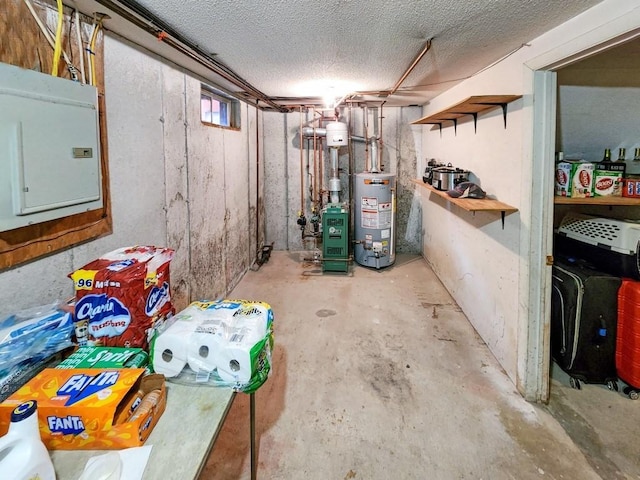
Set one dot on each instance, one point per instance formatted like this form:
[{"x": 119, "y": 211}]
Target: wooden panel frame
[{"x": 25, "y": 46}]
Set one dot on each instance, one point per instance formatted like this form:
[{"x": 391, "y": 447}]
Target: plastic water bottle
[{"x": 23, "y": 456}]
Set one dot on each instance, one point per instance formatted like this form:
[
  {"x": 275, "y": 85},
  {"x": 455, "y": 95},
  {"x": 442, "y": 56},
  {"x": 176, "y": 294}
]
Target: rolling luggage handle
[{"x": 563, "y": 349}]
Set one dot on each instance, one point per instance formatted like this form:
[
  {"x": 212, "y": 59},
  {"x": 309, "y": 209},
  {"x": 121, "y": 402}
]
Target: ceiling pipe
[
  {"x": 426, "y": 48},
  {"x": 147, "y": 21}
]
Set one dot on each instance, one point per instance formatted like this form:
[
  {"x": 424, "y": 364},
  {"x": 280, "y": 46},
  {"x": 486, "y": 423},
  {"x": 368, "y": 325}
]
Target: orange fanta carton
[{"x": 78, "y": 408}]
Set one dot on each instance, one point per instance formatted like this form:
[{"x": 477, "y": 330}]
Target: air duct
[{"x": 313, "y": 132}]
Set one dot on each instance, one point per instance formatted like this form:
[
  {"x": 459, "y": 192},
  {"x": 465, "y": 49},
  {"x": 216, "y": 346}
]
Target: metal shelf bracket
[{"x": 503, "y": 105}]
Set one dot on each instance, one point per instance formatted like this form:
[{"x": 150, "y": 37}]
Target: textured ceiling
[{"x": 294, "y": 49}]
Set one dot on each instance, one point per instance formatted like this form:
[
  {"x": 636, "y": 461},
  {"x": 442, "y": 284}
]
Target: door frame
[
  {"x": 537, "y": 371},
  {"x": 539, "y": 239}
]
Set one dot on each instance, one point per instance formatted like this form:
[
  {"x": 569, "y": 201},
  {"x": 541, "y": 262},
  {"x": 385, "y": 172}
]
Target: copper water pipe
[
  {"x": 301, "y": 166},
  {"x": 426, "y": 48},
  {"x": 321, "y": 170},
  {"x": 380, "y": 141}
]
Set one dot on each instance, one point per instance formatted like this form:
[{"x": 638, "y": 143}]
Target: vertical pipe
[
  {"x": 392, "y": 238},
  {"x": 365, "y": 126},
  {"x": 315, "y": 168},
  {"x": 185, "y": 116},
  {"x": 258, "y": 245},
  {"x": 309, "y": 172},
  {"x": 334, "y": 181},
  {"x": 252, "y": 257},
  {"x": 380, "y": 151},
  {"x": 351, "y": 178},
  {"x": 301, "y": 166},
  {"x": 374, "y": 155},
  {"x": 286, "y": 179},
  {"x": 334, "y": 161},
  {"x": 320, "y": 169}
]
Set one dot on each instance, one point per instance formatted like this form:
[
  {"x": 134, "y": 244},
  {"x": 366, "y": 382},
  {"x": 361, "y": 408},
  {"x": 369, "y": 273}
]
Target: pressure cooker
[{"x": 445, "y": 178}]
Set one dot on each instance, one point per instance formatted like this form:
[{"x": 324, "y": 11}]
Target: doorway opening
[{"x": 591, "y": 104}]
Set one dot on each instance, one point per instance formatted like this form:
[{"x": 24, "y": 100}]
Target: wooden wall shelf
[
  {"x": 613, "y": 201},
  {"x": 472, "y": 204},
  {"x": 470, "y": 106}
]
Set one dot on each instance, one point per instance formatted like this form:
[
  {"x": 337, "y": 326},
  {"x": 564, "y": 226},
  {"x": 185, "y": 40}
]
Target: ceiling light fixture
[{"x": 329, "y": 98}]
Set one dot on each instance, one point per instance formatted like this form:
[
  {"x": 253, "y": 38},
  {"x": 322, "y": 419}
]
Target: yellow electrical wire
[
  {"x": 57, "y": 49},
  {"x": 92, "y": 49}
]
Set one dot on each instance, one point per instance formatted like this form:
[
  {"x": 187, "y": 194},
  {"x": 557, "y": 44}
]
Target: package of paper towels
[{"x": 221, "y": 343}]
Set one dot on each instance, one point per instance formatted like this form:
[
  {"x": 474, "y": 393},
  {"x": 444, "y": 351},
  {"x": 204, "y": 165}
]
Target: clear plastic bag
[
  {"x": 226, "y": 343},
  {"x": 34, "y": 334}
]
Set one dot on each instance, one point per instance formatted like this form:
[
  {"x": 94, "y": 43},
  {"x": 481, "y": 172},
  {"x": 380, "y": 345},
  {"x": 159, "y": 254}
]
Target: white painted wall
[
  {"x": 401, "y": 152},
  {"x": 486, "y": 268},
  {"x": 174, "y": 182},
  {"x": 594, "y": 118}
]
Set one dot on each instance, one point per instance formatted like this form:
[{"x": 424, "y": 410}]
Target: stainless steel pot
[{"x": 445, "y": 178}]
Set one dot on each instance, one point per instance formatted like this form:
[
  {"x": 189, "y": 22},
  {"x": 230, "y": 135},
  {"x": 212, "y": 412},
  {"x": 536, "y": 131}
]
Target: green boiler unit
[{"x": 335, "y": 239}]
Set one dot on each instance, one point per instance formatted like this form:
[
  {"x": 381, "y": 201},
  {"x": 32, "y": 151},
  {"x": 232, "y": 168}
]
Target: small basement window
[{"x": 218, "y": 109}]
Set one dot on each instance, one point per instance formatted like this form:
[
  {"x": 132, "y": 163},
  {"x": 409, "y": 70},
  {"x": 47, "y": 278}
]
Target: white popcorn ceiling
[{"x": 294, "y": 48}]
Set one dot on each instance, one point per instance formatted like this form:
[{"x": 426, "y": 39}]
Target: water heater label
[
  {"x": 369, "y": 218},
  {"x": 376, "y": 216}
]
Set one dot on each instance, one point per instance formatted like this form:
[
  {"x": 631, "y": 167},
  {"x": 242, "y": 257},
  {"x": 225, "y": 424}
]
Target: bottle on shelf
[
  {"x": 620, "y": 164},
  {"x": 633, "y": 168},
  {"x": 605, "y": 163}
]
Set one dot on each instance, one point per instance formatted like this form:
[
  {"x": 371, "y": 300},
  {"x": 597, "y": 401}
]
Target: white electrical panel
[{"x": 49, "y": 148}]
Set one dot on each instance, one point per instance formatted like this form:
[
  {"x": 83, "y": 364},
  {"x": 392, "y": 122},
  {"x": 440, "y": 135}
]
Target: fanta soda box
[{"x": 23, "y": 456}]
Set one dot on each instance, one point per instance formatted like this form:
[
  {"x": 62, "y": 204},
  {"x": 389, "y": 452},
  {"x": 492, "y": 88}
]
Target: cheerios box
[{"x": 91, "y": 409}]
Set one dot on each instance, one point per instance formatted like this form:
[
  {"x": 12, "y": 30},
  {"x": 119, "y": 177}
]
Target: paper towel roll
[
  {"x": 170, "y": 348},
  {"x": 169, "y": 355},
  {"x": 251, "y": 319},
  {"x": 201, "y": 351},
  {"x": 234, "y": 363}
]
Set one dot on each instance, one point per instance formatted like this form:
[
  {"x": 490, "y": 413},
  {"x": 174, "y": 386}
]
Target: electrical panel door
[{"x": 49, "y": 148}]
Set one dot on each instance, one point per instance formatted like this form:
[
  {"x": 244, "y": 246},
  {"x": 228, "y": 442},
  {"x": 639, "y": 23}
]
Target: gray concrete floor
[
  {"x": 603, "y": 423},
  {"x": 378, "y": 375}
]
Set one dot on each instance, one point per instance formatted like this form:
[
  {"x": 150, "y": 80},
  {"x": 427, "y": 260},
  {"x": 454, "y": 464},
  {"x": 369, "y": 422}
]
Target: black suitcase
[{"x": 584, "y": 310}]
